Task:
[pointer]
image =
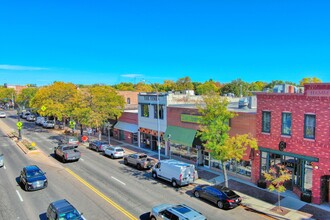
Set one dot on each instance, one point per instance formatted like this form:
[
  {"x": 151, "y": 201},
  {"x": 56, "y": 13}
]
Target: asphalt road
[{"x": 98, "y": 186}]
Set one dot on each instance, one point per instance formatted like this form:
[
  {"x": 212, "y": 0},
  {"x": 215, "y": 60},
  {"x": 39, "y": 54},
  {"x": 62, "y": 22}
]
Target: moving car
[
  {"x": 174, "y": 171},
  {"x": 98, "y": 145},
  {"x": 3, "y": 114},
  {"x": 178, "y": 212},
  {"x": 219, "y": 195},
  {"x": 140, "y": 160},
  {"x": 62, "y": 210},
  {"x": 114, "y": 151},
  {"x": 33, "y": 178}
]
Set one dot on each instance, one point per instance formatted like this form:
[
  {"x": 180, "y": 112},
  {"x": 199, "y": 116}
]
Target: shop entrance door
[
  {"x": 206, "y": 159},
  {"x": 325, "y": 189}
]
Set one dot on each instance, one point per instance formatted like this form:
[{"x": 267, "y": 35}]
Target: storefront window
[
  {"x": 308, "y": 175},
  {"x": 186, "y": 152}
]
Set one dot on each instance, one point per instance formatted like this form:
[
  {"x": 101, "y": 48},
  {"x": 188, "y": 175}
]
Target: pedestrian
[{"x": 94, "y": 131}]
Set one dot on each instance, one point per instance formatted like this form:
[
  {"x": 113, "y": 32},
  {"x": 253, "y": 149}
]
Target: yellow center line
[{"x": 122, "y": 210}]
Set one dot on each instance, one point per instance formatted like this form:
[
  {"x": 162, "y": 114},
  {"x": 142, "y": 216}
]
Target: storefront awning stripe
[
  {"x": 178, "y": 135},
  {"x": 307, "y": 158},
  {"x": 133, "y": 128}
]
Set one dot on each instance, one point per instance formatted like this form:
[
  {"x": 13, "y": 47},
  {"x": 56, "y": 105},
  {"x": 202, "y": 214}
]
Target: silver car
[
  {"x": 179, "y": 212},
  {"x": 3, "y": 114},
  {"x": 114, "y": 151}
]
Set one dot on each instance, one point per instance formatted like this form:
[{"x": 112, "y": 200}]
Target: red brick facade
[
  {"x": 174, "y": 117},
  {"x": 128, "y": 117},
  {"x": 315, "y": 100}
]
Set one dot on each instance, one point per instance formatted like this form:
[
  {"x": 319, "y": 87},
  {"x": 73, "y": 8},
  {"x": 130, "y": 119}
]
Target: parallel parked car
[
  {"x": 33, "y": 178},
  {"x": 3, "y": 114},
  {"x": 40, "y": 120},
  {"x": 140, "y": 160},
  {"x": 114, "y": 151},
  {"x": 31, "y": 117},
  {"x": 25, "y": 114},
  {"x": 70, "y": 140},
  {"x": 177, "y": 212},
  {"x": 63, "y": 210},
  {"x": 218, "y": 194},
  {"x": 98, "y": 145},
  {"x": 48, "y": 124}
]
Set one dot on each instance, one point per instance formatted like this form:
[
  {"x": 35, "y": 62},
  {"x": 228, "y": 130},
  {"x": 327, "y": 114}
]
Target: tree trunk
[
  {"x": 224, "y": 170},
  {"x": 81, "y": 130},
  {"x": 100, "y": 134},
  {"x": 279, "y": 201}
]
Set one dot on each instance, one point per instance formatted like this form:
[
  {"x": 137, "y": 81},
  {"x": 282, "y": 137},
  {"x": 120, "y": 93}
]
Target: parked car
[
  {"x": 174, "y": 171},
  {"x": 1, "y": 160},
  {"x": 25, "y": 114},
  {"x": 31, "y": 117},
  {"x": 140, "y": 160},
  {"x": 219, "y": 195},
  {"x": 33, "y": 178},
  {"x": 98, "y": 145},
  {"x": 40, "y": 120},
  {"x": 70, "y": 140},
  {"x": 48, "y": 124},
  {"x": 63, "y": 210},
  {"x": 67, "y": 152},
  {"x": 114, "y": 151},
  {"x": 3, "y": 114},
  {"x": 177, "y": 212}
]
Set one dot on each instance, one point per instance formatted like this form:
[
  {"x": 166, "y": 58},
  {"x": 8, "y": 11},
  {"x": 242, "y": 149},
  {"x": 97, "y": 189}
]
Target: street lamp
[
  {"x": 108, "y": 125},
  {"x": 158, "y": 122}
]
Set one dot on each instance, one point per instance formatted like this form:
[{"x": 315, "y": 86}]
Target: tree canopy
[
  {"x": 305, "y": 80},
  {"x": 26, "y": 96}
]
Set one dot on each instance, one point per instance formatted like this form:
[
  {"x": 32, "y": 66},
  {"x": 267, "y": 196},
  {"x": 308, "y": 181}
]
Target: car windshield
[
  {"x": 143, "y": 156},
  {"x": 230, "y": 193},
  {"x": 68, "y": 148},
  {"x": 73, "y": 214},
  {"x": 119, "y": 150},
  {"x": 34, "y": 173}
]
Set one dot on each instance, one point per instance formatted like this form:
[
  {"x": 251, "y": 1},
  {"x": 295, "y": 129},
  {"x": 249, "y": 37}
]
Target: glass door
[{"x": 206, "y": 159}]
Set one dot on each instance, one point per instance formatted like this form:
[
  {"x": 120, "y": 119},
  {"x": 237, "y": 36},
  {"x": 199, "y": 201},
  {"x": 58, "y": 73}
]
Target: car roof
[
  {"x": 32, "y": 168},
  {"x": 186, "y": 211},
  {"x": 63, "y": 206}
]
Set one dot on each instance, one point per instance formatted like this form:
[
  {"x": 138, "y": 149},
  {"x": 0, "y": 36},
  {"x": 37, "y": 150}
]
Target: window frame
[
  {"x": 263, "y": 121},
  {"x": 283, "y": 123},
  {"x": 161, "y": 111},
  {"x": 305, "y": 126},
  {"x": 145, "y": 112}
]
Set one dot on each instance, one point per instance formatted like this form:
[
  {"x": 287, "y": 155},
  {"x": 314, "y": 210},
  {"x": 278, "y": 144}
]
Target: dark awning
[{"x": 184, "y": 136}]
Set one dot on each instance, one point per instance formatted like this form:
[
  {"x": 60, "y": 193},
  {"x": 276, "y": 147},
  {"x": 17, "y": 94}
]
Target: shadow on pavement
[
  {"x": 43, "y": 216},
  {"x": 316, "y": 212},
  {"x": 145, "y": 216}
]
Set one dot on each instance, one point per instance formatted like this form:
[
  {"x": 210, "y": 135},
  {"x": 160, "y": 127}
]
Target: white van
[{"x": 176, "y": 172}]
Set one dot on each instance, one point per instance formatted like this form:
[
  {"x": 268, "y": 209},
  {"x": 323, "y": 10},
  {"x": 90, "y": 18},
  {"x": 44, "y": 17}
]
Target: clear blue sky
[{"x": 104, "y": 41}]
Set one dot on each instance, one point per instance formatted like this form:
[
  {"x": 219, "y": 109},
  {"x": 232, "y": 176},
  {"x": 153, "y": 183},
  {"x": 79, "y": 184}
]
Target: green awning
[{"x": 184, "y": 136}]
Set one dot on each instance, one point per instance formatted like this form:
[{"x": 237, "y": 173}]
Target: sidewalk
[{"x": 254, "y": 198}]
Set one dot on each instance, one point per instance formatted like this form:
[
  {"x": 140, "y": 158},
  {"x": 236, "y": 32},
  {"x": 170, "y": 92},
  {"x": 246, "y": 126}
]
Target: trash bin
[{"x": 306, "y": 196}]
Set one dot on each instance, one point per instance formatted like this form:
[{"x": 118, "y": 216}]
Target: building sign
[
  {"x": 150, "y": 98},
  {"x": 318, "y": 92},
  {"x": 190, "y": 118}
]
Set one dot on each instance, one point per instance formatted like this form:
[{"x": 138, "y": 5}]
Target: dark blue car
[
  {"x": 219, "y": 195},
  {"x": 33, "y": 178},
  {"x": 63, "y": 210}
]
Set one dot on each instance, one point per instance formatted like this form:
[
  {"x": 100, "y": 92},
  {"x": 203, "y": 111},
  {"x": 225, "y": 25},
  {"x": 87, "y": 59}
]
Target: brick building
[
  {"x": 126, "y": 128},
  {"x": 293, "y": 129}
]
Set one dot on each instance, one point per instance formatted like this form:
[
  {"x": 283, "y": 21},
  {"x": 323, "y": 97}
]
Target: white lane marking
[
  {"x": 118, "y": 180},
  {"x": 4, "y": 167},
  {"x": 19, "y": 195},
  {"x": 81, "y": 159}
]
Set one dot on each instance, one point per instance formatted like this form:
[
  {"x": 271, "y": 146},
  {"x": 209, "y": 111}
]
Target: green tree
[
  {"x": 276, "y": 177},
  {"x": 59, "y": 99},
  {"x": 26, "y": 96},
  {"x": 124, "y": 86},
  {"x": 6, "y": 94},
  {"x": 235, "y": 86},
  {"x": 184, "y": 84},
  {"x": 143, "y": 87},
  {"x": 305, "y": 80},
  {"x": 209, "y": 87},
  {"x": 257, "y": 86},
  {"x": 98, "y": 104},
  {"x": 214, "y": 132},
  {"x": 169, "y": 85}
]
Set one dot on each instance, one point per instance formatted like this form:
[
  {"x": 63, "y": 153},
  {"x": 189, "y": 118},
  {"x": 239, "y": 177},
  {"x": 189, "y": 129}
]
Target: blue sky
[{"x": 109, "y": 42}]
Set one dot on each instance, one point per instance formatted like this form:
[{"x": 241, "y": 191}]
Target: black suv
[{"x": 33, "y": 178}]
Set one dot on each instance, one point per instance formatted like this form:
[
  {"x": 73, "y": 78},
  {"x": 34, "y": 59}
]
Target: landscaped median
[{"x": 26, "y": 145}]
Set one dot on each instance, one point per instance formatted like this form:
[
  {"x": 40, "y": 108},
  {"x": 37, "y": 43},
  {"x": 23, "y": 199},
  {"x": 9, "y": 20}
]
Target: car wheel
[
  {"x": 46, "y": 184},
  {"x": 174, "y": 183},
  {"x": 138, "y": 166},
  {"x": 125, "y": 162},
  {"x": 220, "y": 204},
  {"x": 154, "y": 175},
  {"x": 196, "y": 194},
  {"x": 111, "y": 156},
  {"x": 153, "y": 218},
  {"x": 26, "y": 187},
  {"x": 63, "y": 159},
  {"x": 97, "y": 149}
]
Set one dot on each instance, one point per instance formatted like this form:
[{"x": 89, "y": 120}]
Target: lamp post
[
  {"x": 169, "y": 145},
  {"x": 108, "y": 127},
  {"x": 158, "y": 122}
]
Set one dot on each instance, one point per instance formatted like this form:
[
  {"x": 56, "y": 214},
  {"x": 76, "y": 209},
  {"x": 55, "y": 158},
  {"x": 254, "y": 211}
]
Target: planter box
[
  {"x": 306, "y": 197},
  {"x": 262, "y": 184}
]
